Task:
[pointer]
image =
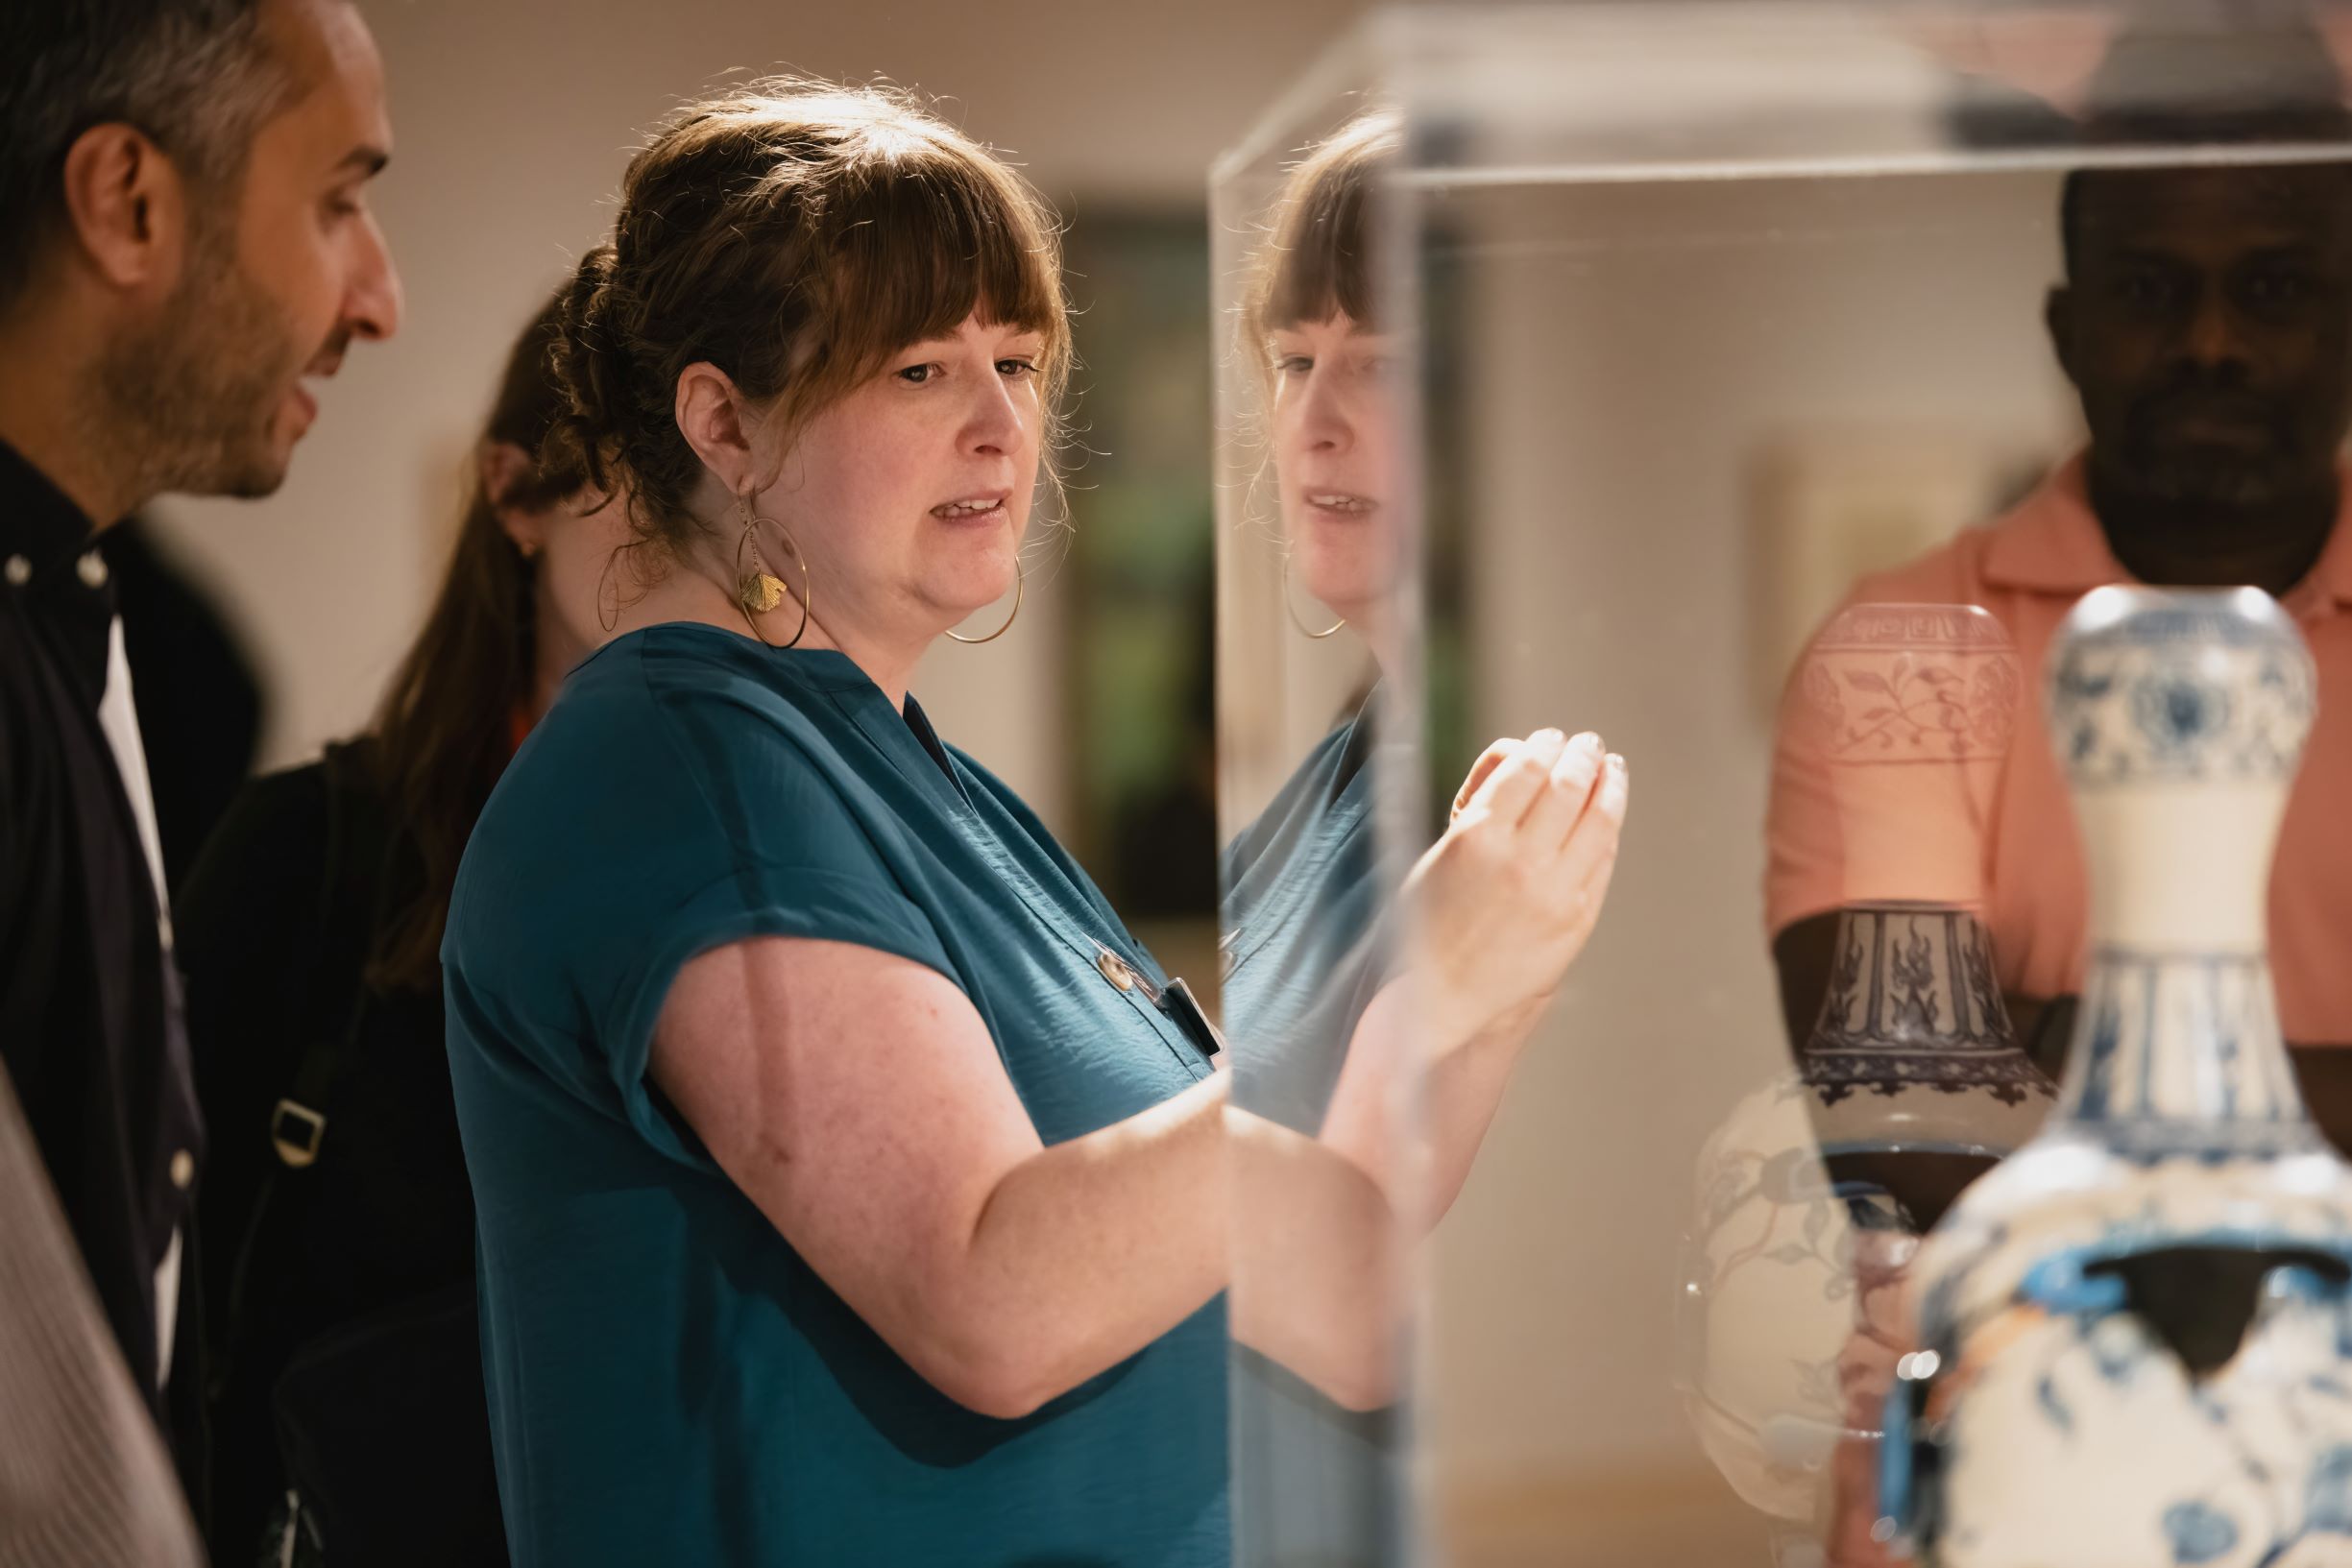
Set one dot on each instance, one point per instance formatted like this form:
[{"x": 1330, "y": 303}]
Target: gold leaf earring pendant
[{"x": 759, "y": 590}]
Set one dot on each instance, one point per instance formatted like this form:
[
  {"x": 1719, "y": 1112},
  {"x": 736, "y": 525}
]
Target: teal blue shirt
[
  {"x": 669, "y": 1382},
  {"x": 1304, "y": 893}
]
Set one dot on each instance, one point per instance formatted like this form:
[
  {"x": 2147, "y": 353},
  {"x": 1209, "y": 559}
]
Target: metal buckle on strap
[{"x": 296, "y": 1132}]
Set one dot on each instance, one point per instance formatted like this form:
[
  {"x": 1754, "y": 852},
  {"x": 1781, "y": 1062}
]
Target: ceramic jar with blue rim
[
  {"x": 1811, "y": 1196},
  {"x": 2134, "y": 1339}
]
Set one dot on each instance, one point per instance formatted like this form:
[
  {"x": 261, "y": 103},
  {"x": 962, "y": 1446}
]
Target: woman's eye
[
  {"x": 1294, "y": 364},
  {"x": 1016, "y": 367},
  {"x": 917, "y": 375}
]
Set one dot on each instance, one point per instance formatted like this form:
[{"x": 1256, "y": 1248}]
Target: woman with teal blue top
[
  {"x": 852, "y": 1187},
  {"x": 1313, "y": 956}
]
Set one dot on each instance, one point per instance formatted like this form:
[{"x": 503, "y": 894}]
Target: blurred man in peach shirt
[{"x": 2206, "y": 323}]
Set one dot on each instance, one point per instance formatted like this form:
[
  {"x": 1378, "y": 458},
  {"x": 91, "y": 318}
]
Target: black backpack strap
[
  {"x": 330, "y": 1006},
  {"x": 324, "y": 1004}
]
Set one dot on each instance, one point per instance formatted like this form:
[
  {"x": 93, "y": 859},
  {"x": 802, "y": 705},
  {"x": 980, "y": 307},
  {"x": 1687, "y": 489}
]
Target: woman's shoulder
[
  {"x": 1311, "y": 795},
  {"x": 272, "y": 826},
  {"x": 284, "y": 799},
  {"x": 288, "y": 814},
  {"x": 678, "y": 742},
  {"x": 266, "y": 859},
  {"x": 685, "y": 675}
]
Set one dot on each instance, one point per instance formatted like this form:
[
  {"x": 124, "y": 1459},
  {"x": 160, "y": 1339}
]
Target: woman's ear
[
  {"x": 505, "y": 466},
  {"x": 712, "y": 416}
]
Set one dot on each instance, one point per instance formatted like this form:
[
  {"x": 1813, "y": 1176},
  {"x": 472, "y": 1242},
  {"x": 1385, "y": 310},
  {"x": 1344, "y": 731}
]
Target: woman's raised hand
[{"x": 1505, "y": 901}]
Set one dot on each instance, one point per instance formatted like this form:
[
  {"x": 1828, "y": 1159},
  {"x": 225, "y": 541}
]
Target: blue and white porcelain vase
[
  {"x": 1811, "y": 1198},
  {"x": 1903, "y": 714},
  {"x": 2134, "y": 1342}
]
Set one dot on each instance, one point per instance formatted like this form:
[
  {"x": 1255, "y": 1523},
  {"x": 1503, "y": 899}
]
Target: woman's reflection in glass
[{"x": 1340, "y": 1024}]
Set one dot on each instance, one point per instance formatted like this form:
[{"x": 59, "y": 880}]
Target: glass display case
[{"x": 1756, "y": 386}]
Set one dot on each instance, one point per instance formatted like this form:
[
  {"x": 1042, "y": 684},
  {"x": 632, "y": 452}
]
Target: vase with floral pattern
[{"x": 1812, "y": 1195}]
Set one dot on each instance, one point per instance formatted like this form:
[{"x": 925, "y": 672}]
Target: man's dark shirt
[
  {"x": 89, "y": 1010},
  {"x": 200, "y": 703}
]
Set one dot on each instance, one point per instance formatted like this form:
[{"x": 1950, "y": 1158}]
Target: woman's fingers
[
  {"x": 1481, "y": 770},
  {"x": 1518, "y": 778},
  {"x": 1592, "y": 844},
  {"x": 1553, "y": 815}
]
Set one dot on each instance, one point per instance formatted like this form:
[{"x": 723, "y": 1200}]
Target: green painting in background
[{"x": 1141, "y": 659}]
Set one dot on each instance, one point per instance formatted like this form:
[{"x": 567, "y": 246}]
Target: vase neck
[
  {"x": 1912, "y": 978},
  {"x": 2164, "y": 1039}
]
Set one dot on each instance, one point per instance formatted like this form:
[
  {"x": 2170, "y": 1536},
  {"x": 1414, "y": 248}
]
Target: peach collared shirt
[{"x": 2028, "y": 569}]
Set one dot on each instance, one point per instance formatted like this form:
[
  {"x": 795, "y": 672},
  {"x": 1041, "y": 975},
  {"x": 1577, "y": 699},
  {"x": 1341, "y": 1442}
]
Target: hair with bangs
[
  {"x": 1318, "y": 263},
  {"x": 796, "y": 235}
]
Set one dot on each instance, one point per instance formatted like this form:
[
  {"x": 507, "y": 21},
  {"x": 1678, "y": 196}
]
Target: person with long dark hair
[{"x": 346, "y": 1398}]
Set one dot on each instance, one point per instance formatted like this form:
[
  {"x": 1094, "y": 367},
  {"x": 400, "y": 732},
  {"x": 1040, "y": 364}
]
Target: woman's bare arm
[{"x": 858, "y": 1099}]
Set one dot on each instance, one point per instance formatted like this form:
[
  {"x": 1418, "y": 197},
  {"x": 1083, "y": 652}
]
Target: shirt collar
[
  {"x": 39, "y": 522},
  {"x": 49, "y": 567},
  {"x": 2052, "y": 542}
]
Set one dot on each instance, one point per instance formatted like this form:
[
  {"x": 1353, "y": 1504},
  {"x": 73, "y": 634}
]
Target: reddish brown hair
[
  {"x": 1318, "y": 263},
  {"x": 796, "y": 235}
]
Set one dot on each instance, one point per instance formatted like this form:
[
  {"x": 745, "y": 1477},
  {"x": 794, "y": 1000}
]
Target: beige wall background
[{"x": 514, "y": 119}]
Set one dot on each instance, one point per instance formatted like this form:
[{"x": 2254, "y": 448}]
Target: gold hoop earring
[
  {"x": 602, "y": 578},
  {"x": 759, "y": 591},
  {"x": 1020, "y": 587},
  {"x": 1331, "y": 630}
]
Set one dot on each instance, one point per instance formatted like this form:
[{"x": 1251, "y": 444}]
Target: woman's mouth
[
  {"x": 1341, "y": 503},
  {"x": 971, "y": 509}
]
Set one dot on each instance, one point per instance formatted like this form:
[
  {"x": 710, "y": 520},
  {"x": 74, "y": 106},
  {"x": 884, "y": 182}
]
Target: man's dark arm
[
  {"x": 1801, "y": 954},
  {"x": 2325, "y": 1074}
]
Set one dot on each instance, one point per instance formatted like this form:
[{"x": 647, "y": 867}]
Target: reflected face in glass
[
  {"x": 1335, "y": 450},
  {"x": 2207, "y": 324}
]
